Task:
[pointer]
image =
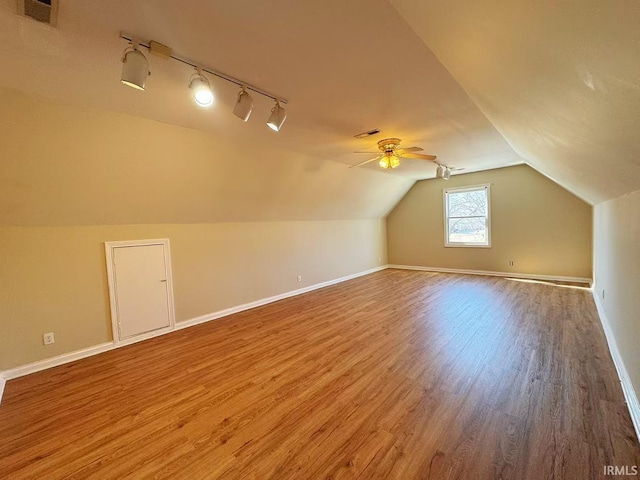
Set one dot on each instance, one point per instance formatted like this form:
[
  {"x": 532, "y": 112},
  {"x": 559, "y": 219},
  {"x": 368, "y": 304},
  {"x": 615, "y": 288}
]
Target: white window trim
[{"x": 487, "y": 186}]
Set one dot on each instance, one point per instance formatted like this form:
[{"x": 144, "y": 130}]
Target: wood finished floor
[{"x": 398, "y": 375}]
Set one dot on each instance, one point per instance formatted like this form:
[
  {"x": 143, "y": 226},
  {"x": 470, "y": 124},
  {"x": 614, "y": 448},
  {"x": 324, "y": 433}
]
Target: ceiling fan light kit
[
  {"x": 135, "y": 70},
  {"x": 389, "y": 161}
]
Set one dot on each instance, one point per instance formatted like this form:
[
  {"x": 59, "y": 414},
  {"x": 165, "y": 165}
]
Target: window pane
[
  {"x": 467, "y": 204},
  {"x": 467, "y": 230}
]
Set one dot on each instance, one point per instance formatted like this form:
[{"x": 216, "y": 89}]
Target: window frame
[{"x": 445, "y": 202}]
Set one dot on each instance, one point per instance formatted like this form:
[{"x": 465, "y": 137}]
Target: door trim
[{"x": 109, "y": 248}]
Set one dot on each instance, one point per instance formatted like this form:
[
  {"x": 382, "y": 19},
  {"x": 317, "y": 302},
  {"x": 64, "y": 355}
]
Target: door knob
[{"x": 163, "y": 280}]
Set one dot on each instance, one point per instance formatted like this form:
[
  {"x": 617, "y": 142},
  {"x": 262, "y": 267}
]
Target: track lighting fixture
[
  {"x": 135, "y": 71},
  {"x": 202, "y": 93},
  {"x": 439, "y": 171},
  {"x": 135, "y": 67},
  {"x": 244, "y": 105},
  {"x": 277, "y": 118},
  {"x": 447, "y": 173}
]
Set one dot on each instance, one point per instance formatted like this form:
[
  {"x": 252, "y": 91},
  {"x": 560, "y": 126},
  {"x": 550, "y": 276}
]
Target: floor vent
[{"x": 45, "y": 11}]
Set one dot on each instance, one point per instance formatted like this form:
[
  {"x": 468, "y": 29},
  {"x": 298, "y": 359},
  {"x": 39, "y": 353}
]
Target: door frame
[{"x": 109, "y": 248}]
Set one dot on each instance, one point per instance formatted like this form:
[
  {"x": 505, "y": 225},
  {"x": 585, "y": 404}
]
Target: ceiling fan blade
[
  {"x": 420, "y": 156},
  {"x": 367, "y": 161},
  {"x": 412, "y": 149},
  {"x": 370, "y": 153}
]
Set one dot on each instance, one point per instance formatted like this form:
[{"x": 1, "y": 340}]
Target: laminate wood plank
[{"x": 396, "y": 375}]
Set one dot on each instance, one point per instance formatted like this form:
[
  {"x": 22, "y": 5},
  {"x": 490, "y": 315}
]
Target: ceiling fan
[{"x": 392, "y": 153}]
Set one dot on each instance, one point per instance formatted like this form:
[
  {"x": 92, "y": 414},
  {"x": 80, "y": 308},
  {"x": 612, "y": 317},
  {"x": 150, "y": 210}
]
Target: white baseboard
[
  {"x": 531, "y": 276},
  {"x": 104, "y": 347},
  {"x": 627, "y": 387},
  {"x": 56, "y": 361},
  {"x": 247, "y": 306}
]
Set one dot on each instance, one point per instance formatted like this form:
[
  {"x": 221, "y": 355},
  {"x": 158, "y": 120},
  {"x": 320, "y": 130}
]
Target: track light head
[
  {"x": 202, "y": 94},
  {"x": 439, "y": 171},
  {"x": 277, "y": 118},
  {"x": 447, "y": 174},
  {"x": 135, "y": 68},
  {"x": 244, "y": 105}
]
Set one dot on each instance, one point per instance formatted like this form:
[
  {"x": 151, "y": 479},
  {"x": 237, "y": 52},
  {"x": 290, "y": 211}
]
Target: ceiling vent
[
  {"x": 367, "y": 134},
  {"x": 45, "y": 11}
]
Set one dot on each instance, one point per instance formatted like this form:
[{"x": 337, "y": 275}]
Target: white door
[{"x": 140, "y": 283}]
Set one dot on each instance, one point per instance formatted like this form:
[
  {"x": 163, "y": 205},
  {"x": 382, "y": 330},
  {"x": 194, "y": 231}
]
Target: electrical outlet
[
  {"x": 48, "y": 338},
  {"x": 299, "y": 278},
  {"x": 511, "y": 263}
]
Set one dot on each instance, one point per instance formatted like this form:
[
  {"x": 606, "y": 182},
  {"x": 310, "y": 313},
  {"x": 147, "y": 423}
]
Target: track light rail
[{"x": 131, "y": 39}]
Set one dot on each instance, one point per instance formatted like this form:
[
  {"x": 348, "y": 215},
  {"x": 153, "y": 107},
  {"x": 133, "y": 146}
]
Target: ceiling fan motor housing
[{"x": 388, "y": 144}]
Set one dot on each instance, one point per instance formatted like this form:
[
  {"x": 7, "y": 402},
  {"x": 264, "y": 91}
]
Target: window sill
[{"x": 463, "y": 245}]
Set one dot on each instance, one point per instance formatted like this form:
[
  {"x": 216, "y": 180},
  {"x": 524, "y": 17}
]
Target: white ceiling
[
  {"x": 559, "y": 80},
  {"x": 346, "y": 67}
]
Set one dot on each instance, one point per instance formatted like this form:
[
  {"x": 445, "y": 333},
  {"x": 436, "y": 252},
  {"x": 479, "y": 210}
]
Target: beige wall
[
  {"x": 543, "y": 228},
  {"x": 617, "y": 272},
  {"x": 54, "y": 278},
  {"x": 74, "y": 177},
  {"x": 65, "y": 165}
]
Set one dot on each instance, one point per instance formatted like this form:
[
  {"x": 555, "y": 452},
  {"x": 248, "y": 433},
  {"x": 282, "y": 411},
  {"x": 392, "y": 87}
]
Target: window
[{"x": 467, "y": 215}]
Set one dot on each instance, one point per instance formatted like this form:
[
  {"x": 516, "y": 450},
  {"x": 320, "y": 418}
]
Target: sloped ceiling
[
  {"x": 559, "y": 80},
  {"x": 346, "y": 67}
]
